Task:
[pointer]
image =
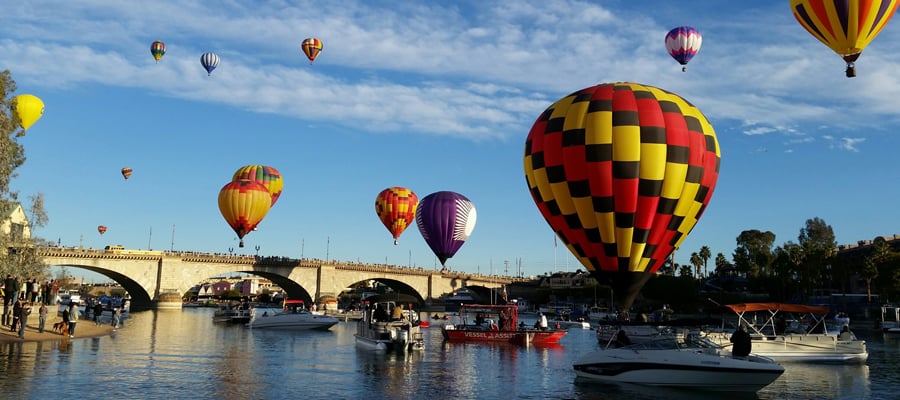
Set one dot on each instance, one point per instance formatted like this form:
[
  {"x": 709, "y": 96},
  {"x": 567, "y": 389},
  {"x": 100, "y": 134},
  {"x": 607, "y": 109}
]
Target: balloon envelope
[
  {"x": 311, "y": 47},
  {"x": 126, "y": 172},
  {"x": 209, "y": 61},
  {"x": 101, "y": 229},
  {"x": 683, "y": 43},
  {"x": 396, "y": 208},
  {"x": 244, "y": 204},
  {"x": 158, "y": 50},
  {"x": 29, "y": 108},
  {"x": 445, "y": 219},
  {"x": 846, "y": 27},
  {"x": 622, "y": 172},
  {"x": 264, "y": 174}
]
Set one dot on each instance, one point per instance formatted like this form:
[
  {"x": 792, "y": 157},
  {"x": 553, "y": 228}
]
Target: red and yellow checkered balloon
[
  {"x": 396, "y": 208},
  {"x": 622, "y": 172}
]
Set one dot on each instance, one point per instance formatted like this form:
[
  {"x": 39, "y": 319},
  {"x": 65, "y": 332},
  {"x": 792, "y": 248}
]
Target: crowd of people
[{"x": 21, "y": 300}]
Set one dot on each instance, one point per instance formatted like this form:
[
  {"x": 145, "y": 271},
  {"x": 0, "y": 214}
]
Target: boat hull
[
  {"x": 522, "y": 337},
  {"x": 686, "y": 369},
  {"x": 810, "y": 348}
]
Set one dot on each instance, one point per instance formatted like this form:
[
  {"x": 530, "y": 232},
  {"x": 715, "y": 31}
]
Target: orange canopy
[{"x": 781, "y": 307}]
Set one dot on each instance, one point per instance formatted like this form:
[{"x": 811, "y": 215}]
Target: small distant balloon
[
  {"x": 209, "y": 61},
  {"x": 101, "y": 229},
  {"x": 311, "y": 47},
  {"x": 126, "y": 172},
  {"x": 28, "y": 108},
  {"x": 158, "y": 50},
  {"x": 683, "y": 43}
]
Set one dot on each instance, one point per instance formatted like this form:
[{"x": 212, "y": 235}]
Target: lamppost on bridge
[
  {"x": 231, "y": 251},
  {"x": 257, "y": 250}
]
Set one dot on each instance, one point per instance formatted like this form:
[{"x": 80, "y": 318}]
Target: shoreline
[{"x": 84, "y": 329}]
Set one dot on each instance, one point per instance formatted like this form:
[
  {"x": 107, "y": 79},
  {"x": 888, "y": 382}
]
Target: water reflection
[{"x": 173, "y": 354}]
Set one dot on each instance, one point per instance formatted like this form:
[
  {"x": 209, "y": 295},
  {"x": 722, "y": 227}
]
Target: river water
[{"x": 182, "y": 354}]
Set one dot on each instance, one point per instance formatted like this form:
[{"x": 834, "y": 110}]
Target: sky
[{"x": 431, "y": 96}]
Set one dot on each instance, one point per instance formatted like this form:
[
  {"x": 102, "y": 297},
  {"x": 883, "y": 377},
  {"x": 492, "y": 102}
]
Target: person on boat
[
  {"x": 381, "y": 314},
  {"x": 397, "y": 312},
  {"x": 479, "y": 319},
  {"x": 543, "y": 321},
  {"x": 622, "y": 339},
  {"x": 741, "y": 342},
  {"x": 845, "y": 335},
  {"x": 521, "y": 325}
]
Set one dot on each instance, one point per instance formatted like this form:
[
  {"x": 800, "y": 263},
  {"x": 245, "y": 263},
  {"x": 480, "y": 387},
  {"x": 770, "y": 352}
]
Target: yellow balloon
[{"x": 29, "y": 108}]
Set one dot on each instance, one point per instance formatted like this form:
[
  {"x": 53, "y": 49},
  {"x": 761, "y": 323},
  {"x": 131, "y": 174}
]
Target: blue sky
[{"x": 431, "y": 97}]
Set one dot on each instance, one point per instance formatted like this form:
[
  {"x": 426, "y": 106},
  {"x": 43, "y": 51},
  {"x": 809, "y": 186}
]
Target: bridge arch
[{"x": 158, "y": 279}]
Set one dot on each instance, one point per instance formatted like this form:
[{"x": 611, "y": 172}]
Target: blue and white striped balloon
[{"x": 209, "y": 61}]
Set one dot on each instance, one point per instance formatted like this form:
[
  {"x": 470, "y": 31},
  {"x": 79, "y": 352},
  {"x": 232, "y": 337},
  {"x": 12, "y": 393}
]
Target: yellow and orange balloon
[
  {"x": 27, "y": 108},
  {"x": 244, "y": 204},
  {"x": 846, "y": 27},
  {"x": 396, "y": 208},
  {"x": 126, "y": 172},
  {"x": 622, "y": 172}
]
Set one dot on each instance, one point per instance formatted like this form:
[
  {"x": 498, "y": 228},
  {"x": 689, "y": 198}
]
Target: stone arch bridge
[{"x": 158, "y": 279}]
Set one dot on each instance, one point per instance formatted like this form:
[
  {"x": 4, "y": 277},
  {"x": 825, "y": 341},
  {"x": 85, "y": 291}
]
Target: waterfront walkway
[{"x": 85, "y": 328}]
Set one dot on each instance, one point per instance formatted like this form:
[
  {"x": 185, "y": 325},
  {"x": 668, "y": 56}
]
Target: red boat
[{"x": 498, "y": 324}]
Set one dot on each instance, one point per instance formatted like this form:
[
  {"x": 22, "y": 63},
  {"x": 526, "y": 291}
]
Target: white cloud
[{"x": 478, "y": 70}]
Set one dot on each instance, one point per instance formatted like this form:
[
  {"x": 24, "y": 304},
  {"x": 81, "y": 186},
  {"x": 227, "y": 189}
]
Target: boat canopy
[{"x": 782, "y": 307}]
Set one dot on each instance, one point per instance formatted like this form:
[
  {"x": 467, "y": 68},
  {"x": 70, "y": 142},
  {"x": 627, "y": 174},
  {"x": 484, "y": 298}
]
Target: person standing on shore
[
  {"x": 42, "y": 317},
  {"x": 73, "y": 319},
  {"x": 23, "y": 318},
  {"x": 17, "y": 310},
  {"x": 117, "y": 315},
  {"x": 98, "y": 312}
]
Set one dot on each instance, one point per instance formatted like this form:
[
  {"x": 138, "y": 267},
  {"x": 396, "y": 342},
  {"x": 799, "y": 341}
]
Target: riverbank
[{"x": 84, "y": 329}]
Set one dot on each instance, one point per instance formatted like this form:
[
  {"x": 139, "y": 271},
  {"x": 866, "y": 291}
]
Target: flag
[{"x": 503, "y": 295}]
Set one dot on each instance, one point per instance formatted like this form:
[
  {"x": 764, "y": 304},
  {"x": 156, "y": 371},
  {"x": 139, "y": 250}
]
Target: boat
[
  {"x": 890, "y": 319},
  {"x": 378, "y": 331},
  {"x": 807, "y": 338},
  {"x": 293, "y": 316},
  {"x": 696, "y": 364},
  {"x": 497, "y": 323},
  {"x": 229, "y": 312},
  {"x": 601, "y": 314}
]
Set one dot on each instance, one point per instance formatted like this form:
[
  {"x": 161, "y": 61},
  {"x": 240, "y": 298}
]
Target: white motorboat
[
  {"x": 294, "y": 316},
  {"x": 812, "y": 342},
  {"x": 701, "y": 365},
  {"x": 379, "y": 332}
]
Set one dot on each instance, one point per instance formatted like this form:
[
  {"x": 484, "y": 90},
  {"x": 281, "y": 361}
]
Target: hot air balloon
[
  {"x": 311, "y": 47},
  {"x": 126, "y": 172},
  {"x": 209, "y": 61},
  {"x": 683, "y": 43},
  {"x": 101, "y": 229},
  {"x": 846, "y": 27},
  {"x": 158, "y": 50},
  {"x": 264, "y": 174},
  {"x": 244, "y": 204},
  {"x": 396, "y": 207},
  {"x": 445, "y": 219},
  {"x": 28, "y": 108},
  {"x": 622, "y": 172}
]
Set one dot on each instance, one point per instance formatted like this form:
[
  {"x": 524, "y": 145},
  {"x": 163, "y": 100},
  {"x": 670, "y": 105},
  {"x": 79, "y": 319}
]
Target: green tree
[
  {"x": 872, "y": 264},
  {"x": 21, "y": 259},
  {"x": 753, "y": 255},
  {"x": 819, "y": 248},
  {"x": 697, "y": 262},
  {"x": 721, "y": 262},
  {"x": 705, "y": 254}
]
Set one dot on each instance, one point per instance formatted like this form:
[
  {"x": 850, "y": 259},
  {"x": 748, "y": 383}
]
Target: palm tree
[
  {"x": 697, "y": 262},
  {"x": 705, "y": 254}
]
